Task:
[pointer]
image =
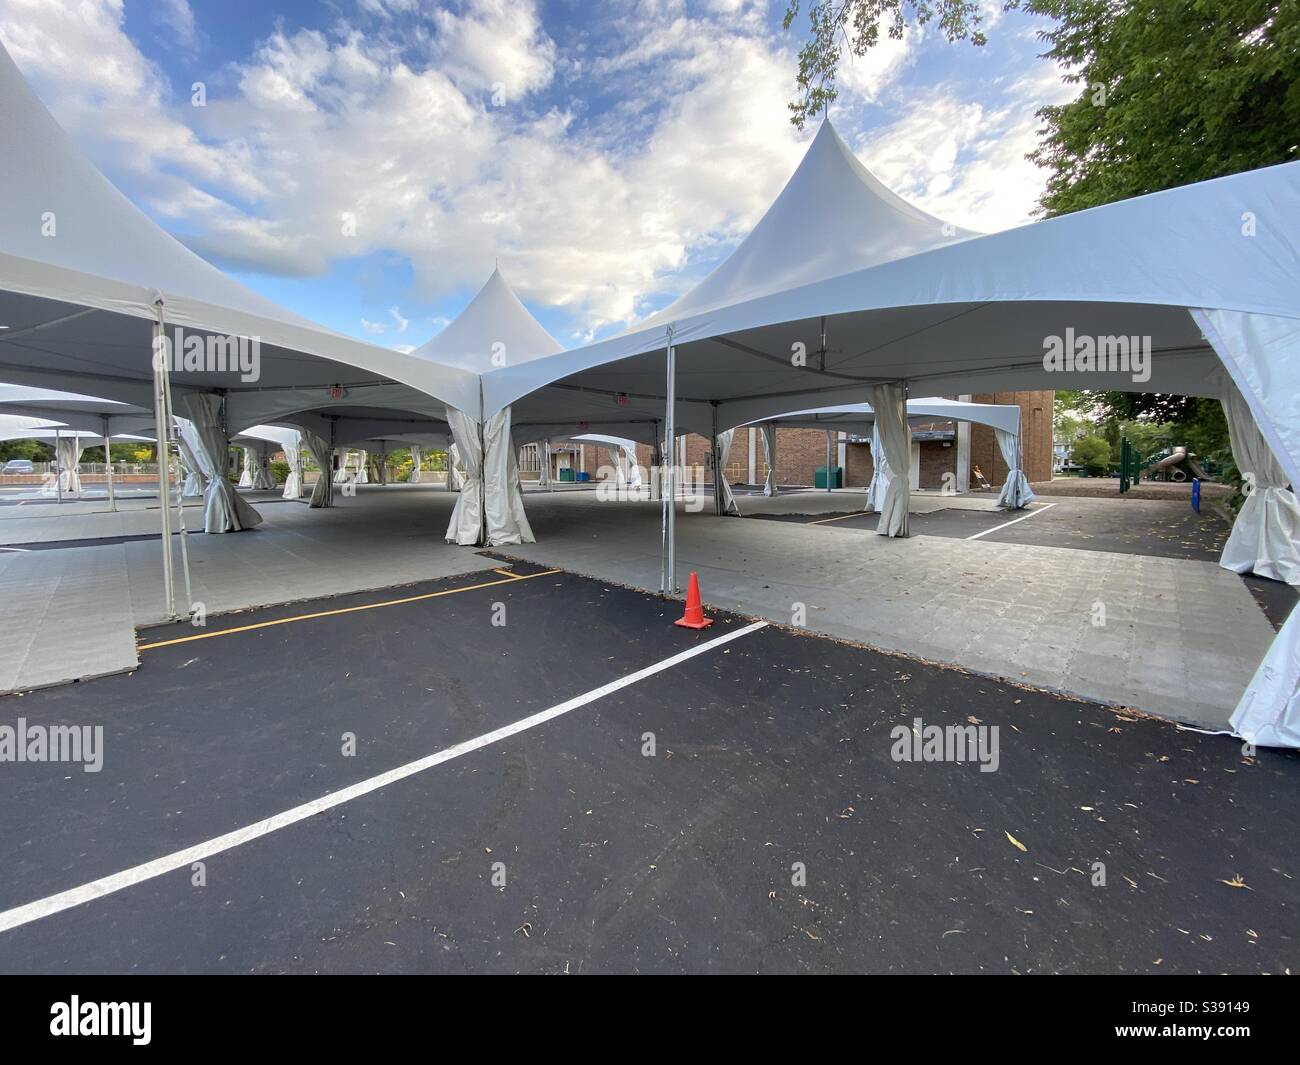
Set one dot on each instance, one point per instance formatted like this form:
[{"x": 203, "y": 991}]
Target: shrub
[{"x": 1093, "y": 454}]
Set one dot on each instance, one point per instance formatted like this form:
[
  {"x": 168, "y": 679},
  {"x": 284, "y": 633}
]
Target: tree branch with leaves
[{"x": 856, "y": 25}]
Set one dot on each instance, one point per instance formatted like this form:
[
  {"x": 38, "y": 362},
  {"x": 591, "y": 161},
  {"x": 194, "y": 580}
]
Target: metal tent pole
[
  {"x": 668, "y": 572},
  {"x": 482, "y": 472},
  {"x": 58, "y": 469},
  {"x": 828, "y": 460},
  {"x": 718, "y": 468},
  {"x": 907, "y": 435},
  {"x": 173, "y": 438},
  {"x": 160, "y": 450},
  {"x": 108, "y": 465}
]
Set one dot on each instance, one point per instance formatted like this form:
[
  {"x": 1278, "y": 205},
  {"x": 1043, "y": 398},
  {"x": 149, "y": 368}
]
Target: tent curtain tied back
[
  {"x": 616, "y": 464},
  {"x": 769, "y": 456},
  {"x": 466, "y": 525},
  {"x": 1265, "y": 538},
  {"x": 1016, "y": 492},
  {"x": 322, "y": 493},
  {"x": 293, "y": 482},
  {"x": 889, "y": 401},
  {"x": 726, "y": 497},
  {"x": 68, "y": 451},
  {"x": 223, "y": 509},
  {"x": 504, "y": 495},
  {"x": 195, "y": 484},
  {"x": 880, "y": 475},
  {"x": 262, "y": 479},
  {"x": 415, "y": 465},
  {"x": 246, "y": 470}
]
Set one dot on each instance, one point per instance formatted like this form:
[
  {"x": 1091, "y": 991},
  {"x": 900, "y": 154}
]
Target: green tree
[
  {"x": 1174, "y": 91},
  {"x": 33, "y": 450},
  {"x": 1171, "y": 91},
  {"x": 857, "y": 24},
  {"x": 1093, "y": 454}
]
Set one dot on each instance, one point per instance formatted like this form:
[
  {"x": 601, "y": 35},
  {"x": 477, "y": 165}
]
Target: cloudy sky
[{"x": 364, "y": 162}]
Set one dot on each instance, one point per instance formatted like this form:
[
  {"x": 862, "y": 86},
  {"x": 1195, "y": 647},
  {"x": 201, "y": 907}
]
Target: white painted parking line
[
  {"x": 1023, "y": 517},
  {"x": 97, "y": 889}
]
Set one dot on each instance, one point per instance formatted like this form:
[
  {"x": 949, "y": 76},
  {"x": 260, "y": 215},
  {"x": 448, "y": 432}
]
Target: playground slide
[{"x": 1172, "y": 462}]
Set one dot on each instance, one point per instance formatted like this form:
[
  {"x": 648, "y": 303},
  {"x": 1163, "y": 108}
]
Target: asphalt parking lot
[{"x": 541, "y": 784}]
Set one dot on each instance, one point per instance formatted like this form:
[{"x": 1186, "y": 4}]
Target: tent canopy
[
  {"x": 494, "y": 329},
  {"x": 84, "y": 276},
  {"x": 858, "y": 418},
  {"x": 82, "y": 414},
  {"x": 976, "y": 314}
]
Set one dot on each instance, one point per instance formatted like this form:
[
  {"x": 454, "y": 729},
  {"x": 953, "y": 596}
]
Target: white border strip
[
  {"x": 1023, "y": 517},
  {"x": 97, "y": 889}
]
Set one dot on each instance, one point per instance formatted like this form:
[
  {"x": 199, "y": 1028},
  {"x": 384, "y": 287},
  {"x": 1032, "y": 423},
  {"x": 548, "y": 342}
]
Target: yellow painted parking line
[
  {"x": 342, "y": 610},
  {"x": 515, "y": 576},
  {"x": 840, "y": 517}
]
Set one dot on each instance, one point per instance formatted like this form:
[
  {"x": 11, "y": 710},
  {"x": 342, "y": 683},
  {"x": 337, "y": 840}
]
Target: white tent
[
  {"x": 88, "y": 283},
  {"x": 78, "y": 417},
  {"x": 623, "y": 454},
  {"x": 287, "y": 440},
  {"x": 860, "y": 420},
  {"x": 1158, "y": 293},
  {"x": 495, "y": 329}
]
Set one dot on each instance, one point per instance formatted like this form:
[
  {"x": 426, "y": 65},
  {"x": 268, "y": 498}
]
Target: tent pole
[
  {"x": 668, "y": 573},
  {"x": 58, "y": 468},
  {"x": 828, "y": 460},
  {"x": 907, "y": 435},
  {"x": 160, "y": 451},
  {"x": 180, "y": 502},
  {"x": 482, "y": 472},
  {"x": 718, "y": 470},
  {"x": 108, "y": 465}
]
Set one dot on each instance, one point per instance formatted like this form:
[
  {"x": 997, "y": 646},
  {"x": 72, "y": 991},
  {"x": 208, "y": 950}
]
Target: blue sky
[{"x": 365, "y": 162}]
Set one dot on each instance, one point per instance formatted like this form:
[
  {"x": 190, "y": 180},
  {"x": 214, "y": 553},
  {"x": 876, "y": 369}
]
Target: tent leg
[
  {"x": 108, "y": 466},
  {"x": 58, "y": 469},
  {"x": 160, "y": 450},
  {"x": 717, "y": 467},
  {"x": 668, "y": 572},
  {"x": 828, "y": 460}
]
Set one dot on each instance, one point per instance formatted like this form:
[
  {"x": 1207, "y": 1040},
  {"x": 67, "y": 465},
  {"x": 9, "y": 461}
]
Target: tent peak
[
  {"x": 833, "y": 216},
  {"x": 495, "y": 329}
]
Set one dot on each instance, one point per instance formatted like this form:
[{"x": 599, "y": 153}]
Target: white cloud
[
  {"x": 964, "y": 161},
  {"x": 179, "y": 18},
  {"x": 495, "y": 45},
  {"x": 397, "y": 129}
]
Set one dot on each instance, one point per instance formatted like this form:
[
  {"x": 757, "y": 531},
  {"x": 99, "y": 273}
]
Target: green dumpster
[
  {"x": 566, "y": 475},
  {"x": 837, "y": 477}
]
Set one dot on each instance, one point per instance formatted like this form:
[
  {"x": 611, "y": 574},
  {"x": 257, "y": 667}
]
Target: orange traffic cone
[{"x": 694, "y": 617}]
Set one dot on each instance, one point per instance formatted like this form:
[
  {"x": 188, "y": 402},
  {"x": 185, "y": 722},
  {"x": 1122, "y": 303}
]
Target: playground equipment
[
  {"x": 1131, "y": 465},
  {"x": 1175, "y": 464}
]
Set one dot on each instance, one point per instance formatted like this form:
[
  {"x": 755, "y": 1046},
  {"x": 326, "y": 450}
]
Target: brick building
[{"x": 799, "y": 452}]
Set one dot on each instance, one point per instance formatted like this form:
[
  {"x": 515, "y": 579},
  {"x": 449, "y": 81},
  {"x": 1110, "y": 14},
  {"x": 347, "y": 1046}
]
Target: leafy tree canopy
[{"x": 1171, "y": 91}]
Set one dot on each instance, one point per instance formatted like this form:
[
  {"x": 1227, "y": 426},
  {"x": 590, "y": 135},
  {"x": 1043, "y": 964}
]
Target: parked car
[{"x": 19, "y": 466}]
